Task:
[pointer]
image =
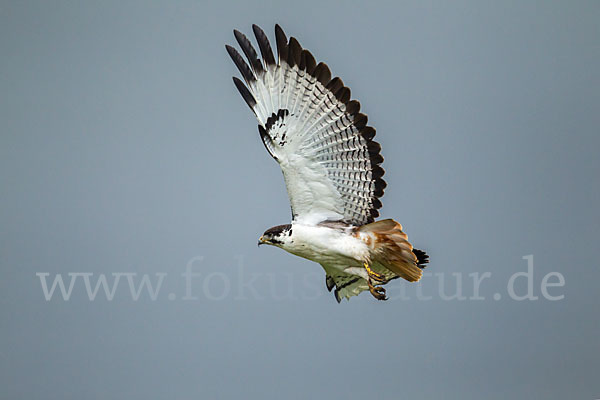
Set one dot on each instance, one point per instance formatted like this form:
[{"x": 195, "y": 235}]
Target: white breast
[{"x": 326, "y": 245}]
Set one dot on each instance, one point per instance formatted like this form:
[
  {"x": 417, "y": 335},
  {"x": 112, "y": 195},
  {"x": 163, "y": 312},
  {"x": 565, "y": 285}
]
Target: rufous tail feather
[{"x": 392, "y": 250}]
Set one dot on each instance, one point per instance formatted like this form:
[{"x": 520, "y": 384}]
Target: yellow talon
[{"x": 373, "y": 274}]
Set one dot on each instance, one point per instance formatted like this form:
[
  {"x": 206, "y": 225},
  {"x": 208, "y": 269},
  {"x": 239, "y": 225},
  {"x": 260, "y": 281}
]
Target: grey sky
[{"x": 125, "y": 148}]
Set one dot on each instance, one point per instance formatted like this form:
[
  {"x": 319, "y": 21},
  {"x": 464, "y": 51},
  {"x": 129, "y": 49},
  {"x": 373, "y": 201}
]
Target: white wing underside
[{"x": 317, "y": 135}]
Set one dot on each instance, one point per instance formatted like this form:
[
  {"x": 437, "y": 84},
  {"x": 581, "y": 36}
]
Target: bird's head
[{"x": 276, "y": 236}]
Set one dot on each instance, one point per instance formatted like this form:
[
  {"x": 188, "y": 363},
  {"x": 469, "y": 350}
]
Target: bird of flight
[{"x": 331, "y": 167}]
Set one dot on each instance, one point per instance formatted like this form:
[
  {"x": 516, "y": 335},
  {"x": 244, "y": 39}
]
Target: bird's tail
[{"x": 391, "y": 249}]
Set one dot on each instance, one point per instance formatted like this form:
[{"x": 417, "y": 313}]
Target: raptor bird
[{"x": 331, "y": 167}]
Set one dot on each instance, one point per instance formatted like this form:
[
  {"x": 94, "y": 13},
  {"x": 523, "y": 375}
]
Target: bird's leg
[
  {"x": 374, "y": 275},
  {"x": 377, "y": 291}
]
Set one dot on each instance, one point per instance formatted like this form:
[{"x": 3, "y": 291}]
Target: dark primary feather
[
  {"x": 249, "y": 51},
  {"x": 281, "y": 40},
  {"x": 250, "y": 100},
  {"x": 294, "y": 50},
  {"x": 263, "y": 44},
  {"x": 241, "y": 64}
]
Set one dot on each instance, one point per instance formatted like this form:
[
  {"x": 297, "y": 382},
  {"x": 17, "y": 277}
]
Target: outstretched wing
[{"x": 308, "y": 123}]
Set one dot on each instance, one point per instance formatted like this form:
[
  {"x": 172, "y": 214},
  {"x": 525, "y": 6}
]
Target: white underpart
[{"x": 327, "y": 246}]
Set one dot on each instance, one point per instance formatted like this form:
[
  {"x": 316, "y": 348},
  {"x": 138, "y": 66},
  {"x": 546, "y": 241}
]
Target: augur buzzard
[{"x": 331, "y": 167}]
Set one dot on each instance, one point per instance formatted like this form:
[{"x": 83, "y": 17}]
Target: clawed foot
[
  {"x": 374, "y": 275},
  {"x": 377, "y": 291}
]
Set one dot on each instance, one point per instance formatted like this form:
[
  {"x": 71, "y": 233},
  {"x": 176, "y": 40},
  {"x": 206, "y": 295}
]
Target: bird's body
[
  {"x": 331, "y": 167},
  {"x": 327, "y": 245}
]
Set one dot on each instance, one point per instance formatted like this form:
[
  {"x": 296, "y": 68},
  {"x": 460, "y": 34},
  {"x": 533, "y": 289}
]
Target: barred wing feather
[{"x": 309, "y": 125}]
